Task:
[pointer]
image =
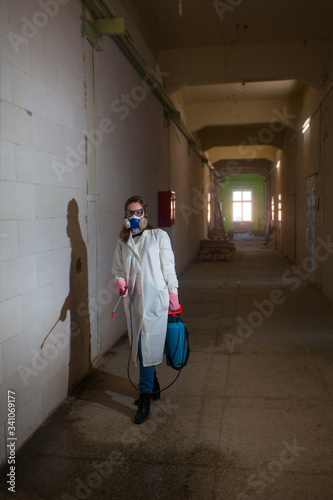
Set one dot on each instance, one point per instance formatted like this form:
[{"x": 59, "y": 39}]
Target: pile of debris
[{"x": 216, "y": 249}]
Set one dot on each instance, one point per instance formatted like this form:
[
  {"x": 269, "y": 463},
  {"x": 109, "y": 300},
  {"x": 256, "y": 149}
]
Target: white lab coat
[{"x": 148, "y": 267}]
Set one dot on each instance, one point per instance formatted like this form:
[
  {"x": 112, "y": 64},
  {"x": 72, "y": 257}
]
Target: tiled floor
[{"x": 249, "y": 417}]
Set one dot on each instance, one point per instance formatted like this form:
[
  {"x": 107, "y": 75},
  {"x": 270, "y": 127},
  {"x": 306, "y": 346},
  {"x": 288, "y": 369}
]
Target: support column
[{"x": 92, "y": 198}]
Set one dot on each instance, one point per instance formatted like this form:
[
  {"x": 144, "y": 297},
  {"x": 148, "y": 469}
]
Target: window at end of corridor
[{"x": 242, "y": 206}]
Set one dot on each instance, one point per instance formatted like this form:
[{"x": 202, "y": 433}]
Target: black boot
[
  {"x": 156, "y": 396},
  {"x": 144, "y": 406},
  {"x": 156, "y": 390}
]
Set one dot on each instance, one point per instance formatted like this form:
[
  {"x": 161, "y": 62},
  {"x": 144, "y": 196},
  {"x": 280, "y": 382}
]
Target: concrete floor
[{"x": 249, "y": 417}]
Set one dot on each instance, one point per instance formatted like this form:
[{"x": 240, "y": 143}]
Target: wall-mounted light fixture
[{"x": 306, "y": 125}]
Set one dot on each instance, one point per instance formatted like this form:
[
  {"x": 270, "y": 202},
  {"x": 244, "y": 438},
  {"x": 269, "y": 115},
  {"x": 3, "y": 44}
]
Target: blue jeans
[{"x": 147, "y": 373}]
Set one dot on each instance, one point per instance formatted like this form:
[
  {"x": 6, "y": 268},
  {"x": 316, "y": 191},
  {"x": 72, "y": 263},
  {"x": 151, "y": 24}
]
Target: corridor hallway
[{"x": 249, "y": 417}]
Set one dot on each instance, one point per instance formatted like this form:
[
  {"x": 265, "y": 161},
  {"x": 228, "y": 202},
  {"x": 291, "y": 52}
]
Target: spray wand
[{"x": 120, "y": 296}]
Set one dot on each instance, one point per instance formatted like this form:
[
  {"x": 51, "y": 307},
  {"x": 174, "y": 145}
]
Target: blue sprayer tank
[{"x": 177, "y": 349}]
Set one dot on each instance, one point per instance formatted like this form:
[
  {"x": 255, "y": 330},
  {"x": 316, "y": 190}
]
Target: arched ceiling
[{"x": 239, "y": 68}]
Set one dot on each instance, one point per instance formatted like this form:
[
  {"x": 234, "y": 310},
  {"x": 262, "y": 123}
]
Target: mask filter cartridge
[{"x": 135, "y": 223}]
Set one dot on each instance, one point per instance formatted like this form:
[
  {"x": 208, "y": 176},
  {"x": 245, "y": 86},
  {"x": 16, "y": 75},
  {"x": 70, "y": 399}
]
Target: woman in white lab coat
[{"x": 144, "y": 263}]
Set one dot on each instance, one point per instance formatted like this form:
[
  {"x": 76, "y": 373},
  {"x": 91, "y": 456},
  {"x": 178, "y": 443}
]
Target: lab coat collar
[{"x": 133, "y": 246}]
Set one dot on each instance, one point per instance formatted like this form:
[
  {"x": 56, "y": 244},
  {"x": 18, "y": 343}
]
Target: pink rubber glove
[
  {"x": 173, "y": 302},
  {"x": 120, "y": 287}
]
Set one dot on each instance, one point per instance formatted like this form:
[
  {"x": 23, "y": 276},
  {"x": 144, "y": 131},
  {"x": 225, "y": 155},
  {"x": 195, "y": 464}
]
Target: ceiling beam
[
  {"x": 233, "y": 113},
  {"x": 248, "y": 138},
  {"x": 259, "y": 166},
  {"x": 232, "y": 153},
  {"x": 306, "y": 62}
]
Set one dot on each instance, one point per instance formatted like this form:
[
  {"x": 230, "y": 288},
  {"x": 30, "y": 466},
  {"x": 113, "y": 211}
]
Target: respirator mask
[{"x": 134, "y": 221}]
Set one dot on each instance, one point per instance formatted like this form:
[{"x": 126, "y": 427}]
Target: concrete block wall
[
  {"x": 308, "y": 157},
  {"x": 307, "y": 165},
  {"x": 276, "y": 189},
  {"x": 325, "y": 195},
  {"x": 191, "y": 181},
  {"x": 288, "y": 190},
  {"x": 42, "y": 114}
]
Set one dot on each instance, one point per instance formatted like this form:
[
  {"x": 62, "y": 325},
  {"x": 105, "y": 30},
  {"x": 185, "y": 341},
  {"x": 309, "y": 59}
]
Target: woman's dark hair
[{"x": 125, "y": 233}]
